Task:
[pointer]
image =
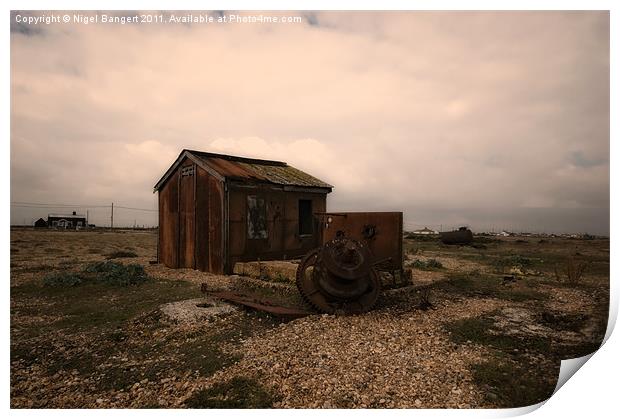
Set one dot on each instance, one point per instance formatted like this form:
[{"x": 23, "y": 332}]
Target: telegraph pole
[{"x": 112, "y": 218}]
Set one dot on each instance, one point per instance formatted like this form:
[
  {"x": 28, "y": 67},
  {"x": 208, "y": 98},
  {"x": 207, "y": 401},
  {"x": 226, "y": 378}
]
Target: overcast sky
[{"x": 493, "y": 120}]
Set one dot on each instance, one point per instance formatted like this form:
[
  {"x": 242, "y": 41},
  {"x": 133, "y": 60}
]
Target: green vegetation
[
  {"x": 474, "y": 284},
  {"x": 428, "y": 265},
  {"x": 480, "y": 330},
  {"x": 512, "y": 261},
  {"x": 122, "y": 254},
  {"x": 115, "y": 336},
  {"x": 507, "y": 376},
  {"x": 62, "y": 279},
  {"x": 113, "y": 273},
  {"x": 511, "y": 384},
  {"x": 237, "y": 393},
  {"x": 279, "y": 277},
  {"x": 573, "y": 269},
  {"x": 110, "y": 273},
  {"x": 514, "y": 374}
]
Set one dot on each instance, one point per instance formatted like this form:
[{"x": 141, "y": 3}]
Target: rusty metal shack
[{"x": 216, "y": 210}]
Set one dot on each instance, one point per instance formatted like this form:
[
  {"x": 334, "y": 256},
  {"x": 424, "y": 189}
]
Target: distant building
[
  {"x": 40, "y": 223},
  {"x": 66, "y": 221},
  {"x": 425, "y": 231}
]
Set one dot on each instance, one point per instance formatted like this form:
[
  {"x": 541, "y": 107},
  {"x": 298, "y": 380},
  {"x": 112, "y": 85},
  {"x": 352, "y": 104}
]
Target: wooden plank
[
  {"x": 186, "y": 220},
  {"x": 215, "y": 208},
  {"x": 202, "y": 220}
]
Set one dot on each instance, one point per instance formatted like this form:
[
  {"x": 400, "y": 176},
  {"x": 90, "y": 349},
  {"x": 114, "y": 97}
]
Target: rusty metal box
[{"x": 381, "y": 231}]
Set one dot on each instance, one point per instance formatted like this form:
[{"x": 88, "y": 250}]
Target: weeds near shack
[
  {"x": 114, "y": 273},
  {"x": 62, "y": 279},
  {"x": 108, "y": 272},
  {"x": 121, "y": 254},
  {"x": 428, "y": 265}
]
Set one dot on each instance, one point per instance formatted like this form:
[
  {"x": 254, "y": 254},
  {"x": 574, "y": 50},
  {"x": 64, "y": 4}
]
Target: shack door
[{"x": 187, "y": 216}]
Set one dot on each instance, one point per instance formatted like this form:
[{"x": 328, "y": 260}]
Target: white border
[{"x": 591, "y": 392}]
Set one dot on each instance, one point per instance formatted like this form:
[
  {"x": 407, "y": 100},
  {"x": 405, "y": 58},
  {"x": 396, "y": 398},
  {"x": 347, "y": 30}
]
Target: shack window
[
  {"x": 257, "y": 218},
  {"x": 305, "y": 217}
]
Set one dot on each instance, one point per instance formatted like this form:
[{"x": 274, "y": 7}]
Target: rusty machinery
[
  {"x": 339, "y": 277},
  {"x": 342, "y": 275}
]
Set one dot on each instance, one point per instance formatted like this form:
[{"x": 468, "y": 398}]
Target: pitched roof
[{"x": 225, "y": 166}]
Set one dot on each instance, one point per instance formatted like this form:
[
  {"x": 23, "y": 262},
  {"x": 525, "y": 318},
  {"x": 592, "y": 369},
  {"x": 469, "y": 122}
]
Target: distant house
[
  {"x": 425, "y": 231},
  {"x": 66, "y": 221},
  {"x": 40, "y": 223}
]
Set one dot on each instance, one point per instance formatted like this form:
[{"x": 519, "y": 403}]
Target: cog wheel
[{"x": 338, "y": 278}]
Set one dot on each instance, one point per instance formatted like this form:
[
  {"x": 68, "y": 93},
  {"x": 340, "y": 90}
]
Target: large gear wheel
[{"x": 338, "y": 278}]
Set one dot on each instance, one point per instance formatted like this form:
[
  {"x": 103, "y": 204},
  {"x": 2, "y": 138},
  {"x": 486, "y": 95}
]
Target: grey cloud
[
  {"x": 457, "y": 112},
  {"x": 578, "y": 159},
  {"x": 21, "y": 27}
]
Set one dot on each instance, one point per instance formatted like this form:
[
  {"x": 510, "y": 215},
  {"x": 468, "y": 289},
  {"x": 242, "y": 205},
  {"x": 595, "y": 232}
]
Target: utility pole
[
  {"x": 112, "y": 218},
  {"x": 86, "y": 219}
]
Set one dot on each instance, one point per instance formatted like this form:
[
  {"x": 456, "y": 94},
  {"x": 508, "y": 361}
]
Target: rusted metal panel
[
  {"x": 187, "y": 208},
  {"x": 282, "y": 239},
  {"x": 381, "y": 231},
  {"x": 202, "y": 219},
  {"x": 236, "y": 223},
  {"x": 283, "y": 175},
  {"x": 275, "y": 220},
  {"x": 216, "y": 225},
  {"x": 296, "y": 243},
  {"x": 168, "y": 223},
  {"x": 231, "y": 169},
  {"x": 339, "y": 277},
  {"x": 248, "y": 170},
  {"x": 258, "y": 304}
]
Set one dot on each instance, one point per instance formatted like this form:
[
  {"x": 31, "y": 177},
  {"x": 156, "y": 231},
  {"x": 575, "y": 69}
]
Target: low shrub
[
  {"x": 513, "y": 261},
  {"x": 122, "y": 254},
  {"x": 114, "y": 273},
  {"x": 62, "y": 279},
  {"x": 573, "y": 269},
  {"x": 108, "y": 272},
  {"x": 428, "y": 265}
]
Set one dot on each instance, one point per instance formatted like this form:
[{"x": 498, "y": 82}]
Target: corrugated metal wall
[
  {"x": 169, "y": 222},
  {"x": 282, "y": 223},
  {"x": 193, "y": 233},
  {"x": 381, "y": 231},
  {"x": 191, "y": 220}
]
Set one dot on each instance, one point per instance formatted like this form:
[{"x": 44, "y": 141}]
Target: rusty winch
[{"x": 339, "y": 277}]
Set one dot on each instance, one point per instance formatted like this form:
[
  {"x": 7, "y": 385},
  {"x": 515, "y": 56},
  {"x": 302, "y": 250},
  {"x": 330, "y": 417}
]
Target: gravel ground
[
  {"x": 396, "y": 356},
  {"x": 381, "y": 359}
]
